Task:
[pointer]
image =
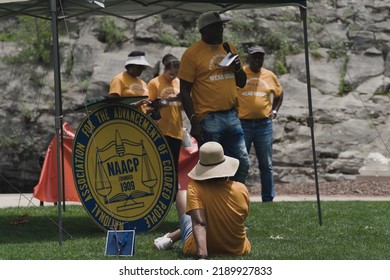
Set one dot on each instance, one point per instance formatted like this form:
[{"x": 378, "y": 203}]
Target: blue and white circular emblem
[{"x": 123, "y": 169}]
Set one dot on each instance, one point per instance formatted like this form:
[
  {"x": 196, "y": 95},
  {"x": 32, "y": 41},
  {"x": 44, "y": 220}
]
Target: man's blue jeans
[
  {"x": 225, "y": 128},
  {"x": 259, "y": 132}
]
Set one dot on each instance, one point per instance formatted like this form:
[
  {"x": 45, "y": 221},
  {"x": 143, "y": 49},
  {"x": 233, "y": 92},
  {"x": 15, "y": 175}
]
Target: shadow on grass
[{"x": 42, "y": 224}]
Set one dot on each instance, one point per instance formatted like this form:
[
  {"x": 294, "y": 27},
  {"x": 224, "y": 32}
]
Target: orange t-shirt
[
  {"x": 126, "y": 85},
  {"x": 214, "y": 86},
  {"x": 171, "y": 122},
  {"x": 227, "y": 206},
  {"x": 255, "y": 98}
]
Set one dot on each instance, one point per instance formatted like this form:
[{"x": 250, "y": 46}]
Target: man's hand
[
  {"x": 272, "y": 115},
  {"x": 196, "y": 130},
  {"x": 237, "y": 64},
  {"x": 138, "y": 104}
]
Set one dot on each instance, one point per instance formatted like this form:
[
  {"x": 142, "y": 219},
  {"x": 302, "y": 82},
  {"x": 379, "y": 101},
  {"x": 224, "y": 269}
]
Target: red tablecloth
[
  {"x": 188, "y": 158},
  {"x": 46, "y": 189}
]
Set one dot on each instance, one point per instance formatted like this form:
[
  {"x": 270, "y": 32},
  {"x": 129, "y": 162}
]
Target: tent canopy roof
[
  {"x": 132, "y": 9},
  {"x": 135, "y": 10}
]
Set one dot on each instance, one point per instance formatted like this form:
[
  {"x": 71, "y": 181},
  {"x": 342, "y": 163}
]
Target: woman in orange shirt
[
  {"x": 165, "y": 88},
  {"x": 128, "y": 83}
]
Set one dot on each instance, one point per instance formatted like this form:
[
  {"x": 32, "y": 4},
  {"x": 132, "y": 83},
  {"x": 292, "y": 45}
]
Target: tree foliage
[{"x": 34, "y": 38}]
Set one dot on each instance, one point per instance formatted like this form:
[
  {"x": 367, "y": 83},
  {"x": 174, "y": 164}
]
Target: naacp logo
[
  {"x": 215, "y": 61},
  {"x": 123, "y": 169}
]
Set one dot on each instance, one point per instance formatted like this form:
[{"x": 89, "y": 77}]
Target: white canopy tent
[{"x": 134, "y": 10}]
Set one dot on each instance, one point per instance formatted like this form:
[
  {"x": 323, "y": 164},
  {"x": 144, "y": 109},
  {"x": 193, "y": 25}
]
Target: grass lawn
[{"x": 351, "y": 230}]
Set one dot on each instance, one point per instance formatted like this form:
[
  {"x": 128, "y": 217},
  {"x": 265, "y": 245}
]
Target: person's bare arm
[
  {"x": 239, "y": 73},
  {"x": 199, "y": 227},
  {"x": 277, "y": 102},
  {"x": 186, "y": 100}
]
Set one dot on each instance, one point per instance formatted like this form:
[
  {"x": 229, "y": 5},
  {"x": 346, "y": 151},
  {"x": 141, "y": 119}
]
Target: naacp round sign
[{"x": 123, "y": 169}]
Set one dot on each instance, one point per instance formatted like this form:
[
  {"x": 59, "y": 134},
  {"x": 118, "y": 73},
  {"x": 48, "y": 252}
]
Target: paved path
[
  {"x": 26, "y": 199},
  {"x": 23, "y": 200}
]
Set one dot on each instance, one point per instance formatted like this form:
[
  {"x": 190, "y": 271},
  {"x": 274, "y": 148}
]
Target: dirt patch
[{"x": 353, "y": 188}]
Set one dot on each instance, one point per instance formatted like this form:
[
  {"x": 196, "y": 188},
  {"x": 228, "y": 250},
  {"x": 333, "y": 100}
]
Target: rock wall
[{"x": 350, "y": 82}]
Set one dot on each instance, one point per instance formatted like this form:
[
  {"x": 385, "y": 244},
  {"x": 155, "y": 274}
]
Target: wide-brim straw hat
[{"x": 213, "y": 163}]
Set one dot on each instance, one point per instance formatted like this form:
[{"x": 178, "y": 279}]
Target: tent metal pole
[
  {"x": 58, "y": 109},
  {"x": 62, "y": 163},
  {"x": 310, "y": 119}
]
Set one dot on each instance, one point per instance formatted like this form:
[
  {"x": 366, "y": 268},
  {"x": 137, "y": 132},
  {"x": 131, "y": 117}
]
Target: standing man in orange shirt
[
  {"x": 256, "y": 112},
  {"x": 209, "y": 91}
]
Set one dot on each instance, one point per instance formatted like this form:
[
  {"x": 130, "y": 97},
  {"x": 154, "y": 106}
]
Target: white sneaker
[{"x": 163, "y": 243}]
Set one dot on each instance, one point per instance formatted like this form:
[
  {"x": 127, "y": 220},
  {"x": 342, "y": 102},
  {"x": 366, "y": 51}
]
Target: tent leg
[
  {"x": 62, "y": 166},
  {"x": 58, "y": 109},
  {"x": 310, "y": 119}
]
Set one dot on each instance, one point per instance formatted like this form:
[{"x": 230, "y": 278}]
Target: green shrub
[
  {"x": 35, "y": 38},
  {"x": 280, "y": 67},
  {"x": 69, "y": 64},
  {"x": 169, "y": 39},
  {"x": 337, "y": 50},
  {"x": 84, "y": 84},
  {"x": 241, "y": 25},
  {"x": 344, "y": 87},
  {"x": 7, "y": 142},
  {"x": 340, "y": 52},
  {"x": 313, "y": 47},
  {"x": 190, "y": 37},
  {"x": 7, "y": 37},
  {"x": 27, "y": 114},
  {"x": 109, "y": 33},
  {"x": 185, "y": 38}
]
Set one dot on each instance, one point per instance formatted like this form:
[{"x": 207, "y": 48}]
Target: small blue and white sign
[{"x": 120, "y": 243}]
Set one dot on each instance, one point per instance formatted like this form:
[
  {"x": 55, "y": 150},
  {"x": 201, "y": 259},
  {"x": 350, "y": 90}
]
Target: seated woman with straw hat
[{"x": 213, "y": 209}]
